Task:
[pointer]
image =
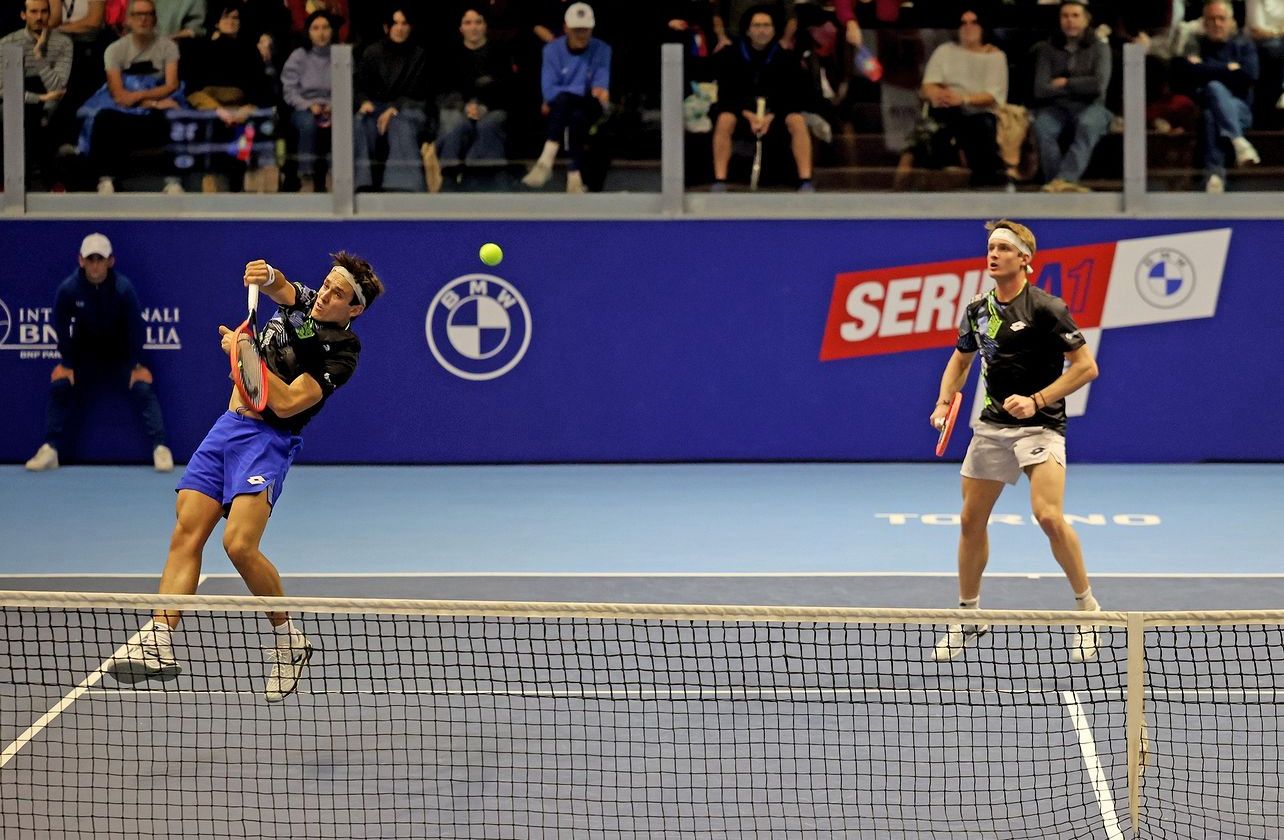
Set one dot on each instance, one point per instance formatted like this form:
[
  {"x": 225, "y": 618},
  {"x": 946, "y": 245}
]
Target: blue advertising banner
[{"x": 676, "y": 340}]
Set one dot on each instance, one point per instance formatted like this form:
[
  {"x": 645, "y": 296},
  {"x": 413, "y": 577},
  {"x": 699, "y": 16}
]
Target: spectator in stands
[
  {"x": 1220, "y": 69},
  {"x": 301, "y": 12},
  {"x": 306, "y": 83},
  {"x": 83, "y": 21},
  {"x": 1264, "y": 20},
  {"x": 100, "y": 338},
  {"x": 46, "y": 62},
  {"x": 575, "y": 79},
  {"x": 845, "y": 10},
  {"x": 180, "y": 19},
  {"x": 758, "y": 67},
  {"x": 965, "y": 83},
  {"x": 478, "y": 85},
  {"x": 697, "y": 26},
  {"x": 226, "y": 74},
  {"x": 78, "y": 17},
  {"x": 1072, "y": 72},
  {"x": 392, "y": 87},
  {"x": 127, "y": 115}
]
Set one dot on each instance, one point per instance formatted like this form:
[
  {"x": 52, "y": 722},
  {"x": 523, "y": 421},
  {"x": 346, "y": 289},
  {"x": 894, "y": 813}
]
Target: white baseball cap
[
  {"x": 95, "y": 243},
  {"x": 580, "y": 16}
]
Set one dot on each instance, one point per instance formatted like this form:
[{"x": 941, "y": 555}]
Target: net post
[{"x": 1136, "y": 713}]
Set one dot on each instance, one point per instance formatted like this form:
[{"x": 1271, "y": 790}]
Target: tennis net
[{"x": 514, "y": 720}]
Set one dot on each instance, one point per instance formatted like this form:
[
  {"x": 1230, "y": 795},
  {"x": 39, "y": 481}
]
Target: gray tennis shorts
[{"x": 999, "y": 453}]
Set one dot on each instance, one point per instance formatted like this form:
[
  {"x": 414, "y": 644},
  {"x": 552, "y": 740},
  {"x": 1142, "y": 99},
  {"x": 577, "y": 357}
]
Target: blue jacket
[
  {"x": 565, "y": 72},
  {"x": 1215, "y": 59},
  {"x": 98, "y": 324}
]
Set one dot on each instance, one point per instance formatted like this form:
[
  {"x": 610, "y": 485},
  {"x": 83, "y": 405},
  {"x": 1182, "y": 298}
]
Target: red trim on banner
[{"x": 918, "y": 307}]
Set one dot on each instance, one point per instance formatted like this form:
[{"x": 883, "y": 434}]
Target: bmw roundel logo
[
  {"x": 478, "y": 326},
  {"x": 1165, "y": 278}
]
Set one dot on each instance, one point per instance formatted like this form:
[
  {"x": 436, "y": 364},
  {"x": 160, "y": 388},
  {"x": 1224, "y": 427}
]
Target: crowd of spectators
[{"x": 235, "y": 94}]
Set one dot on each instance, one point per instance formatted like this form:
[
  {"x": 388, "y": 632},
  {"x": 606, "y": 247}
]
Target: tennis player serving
[
  {"x": 239, "y": 469},
  {"x": 1033, "y": 355}
]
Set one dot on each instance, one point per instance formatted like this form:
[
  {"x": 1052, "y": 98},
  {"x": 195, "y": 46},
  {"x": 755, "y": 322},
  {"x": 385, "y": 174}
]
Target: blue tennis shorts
[{"x": 241, "y": 456}]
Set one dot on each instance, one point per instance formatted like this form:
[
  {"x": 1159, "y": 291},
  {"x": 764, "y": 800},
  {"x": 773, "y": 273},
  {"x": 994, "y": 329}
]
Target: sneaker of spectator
[
  {"x": 1215, "y": 184},
  {"x": 1245, "y": 154},
  {"x": 105, "y": 186},
  {"x": 172, "y": 187},
  {"x": 539, "y": 175}
]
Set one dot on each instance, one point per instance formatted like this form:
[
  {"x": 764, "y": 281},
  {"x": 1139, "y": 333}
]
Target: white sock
[
  {"x": 1085, "y": 601},
  {"x": 158, "y": 633},
  {"x": 287, "y": 635},
  {"x": 549, "y": 155},
  {"x": 970, "y": 603}
]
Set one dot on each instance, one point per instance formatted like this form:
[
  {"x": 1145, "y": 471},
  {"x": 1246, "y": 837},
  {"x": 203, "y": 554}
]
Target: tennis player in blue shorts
[
  {"x": 239, "y": 470},
  {"x": 1034, "y": 356}
]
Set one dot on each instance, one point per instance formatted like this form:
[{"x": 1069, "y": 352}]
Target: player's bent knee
[
  {"x": 242, "y": 552},
  {"x": 1050, "y": 520}
]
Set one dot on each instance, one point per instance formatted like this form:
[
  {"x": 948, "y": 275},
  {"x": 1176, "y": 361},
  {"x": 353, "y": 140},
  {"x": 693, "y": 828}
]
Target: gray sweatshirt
[{"x": 306, "y": 77}]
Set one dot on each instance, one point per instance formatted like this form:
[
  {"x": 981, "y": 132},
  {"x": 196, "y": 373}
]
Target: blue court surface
[{"x": 441, "y": 728}]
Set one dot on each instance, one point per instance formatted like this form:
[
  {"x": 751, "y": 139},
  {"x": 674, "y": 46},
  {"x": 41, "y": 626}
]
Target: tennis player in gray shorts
[{"x": 1033, "y": 356}]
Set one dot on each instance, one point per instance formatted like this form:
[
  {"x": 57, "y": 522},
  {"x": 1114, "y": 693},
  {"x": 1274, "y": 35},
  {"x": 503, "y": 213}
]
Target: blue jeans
[
  {"x": 312, "y": 164},
  {"x": 403, "y": 169},
  {"x": 569, "y": 119},
  {"x": 1225, "y": 118},
  {"x": 478, "y": 142},
  {"x": 66, "y": 404},
  {"x": 1084, "y": 125}
]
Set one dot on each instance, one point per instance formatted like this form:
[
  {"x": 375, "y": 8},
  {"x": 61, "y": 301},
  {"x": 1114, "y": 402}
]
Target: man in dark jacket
[
  {"x": 1071, "y": 73},
  {"x": 478, "y": 80},
  {"x": 392, "y": 91},
  {"x": 757, "y": 66},
  {"x": 100, "y": 337},
  {"x": 1219, "y": 72}
]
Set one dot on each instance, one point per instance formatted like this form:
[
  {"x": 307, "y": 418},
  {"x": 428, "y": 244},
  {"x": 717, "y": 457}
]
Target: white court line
[
  {"x": 1089, "y": 748},
  {"x": 62, "y": 705}
]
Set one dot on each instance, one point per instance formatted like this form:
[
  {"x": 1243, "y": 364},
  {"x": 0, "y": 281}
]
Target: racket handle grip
[{"x": 252, "y": 295}]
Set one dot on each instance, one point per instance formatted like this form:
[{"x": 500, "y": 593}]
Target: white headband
[
  {"x": 352, "y": 281},
  {"x": 1006, "y": 235}
]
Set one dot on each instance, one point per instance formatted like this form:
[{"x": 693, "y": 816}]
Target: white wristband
[{"x": 271, "y": 277}]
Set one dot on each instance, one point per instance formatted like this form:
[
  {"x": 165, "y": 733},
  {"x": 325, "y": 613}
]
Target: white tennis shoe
[
  {"x": 288, "y": 663},
  {"x": 956, "y": 637},
  {"x": 1083, "y": 645},
  {"x": 145, "y": 657}
]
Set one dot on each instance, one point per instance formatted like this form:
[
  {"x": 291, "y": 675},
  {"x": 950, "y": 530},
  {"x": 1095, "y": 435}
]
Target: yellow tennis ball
[{"x": 491, "y": 254}]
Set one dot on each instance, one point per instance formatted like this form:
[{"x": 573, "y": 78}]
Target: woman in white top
[{"x": 964, "y": 84}]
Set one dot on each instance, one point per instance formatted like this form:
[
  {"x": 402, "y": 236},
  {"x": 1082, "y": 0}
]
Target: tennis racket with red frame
[
  {"x": 249, "y": 371},
  {"x": 947, "y": 423}
]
